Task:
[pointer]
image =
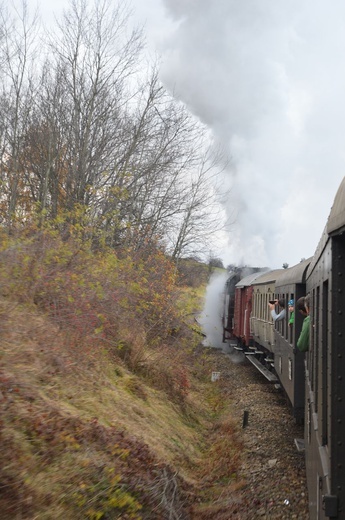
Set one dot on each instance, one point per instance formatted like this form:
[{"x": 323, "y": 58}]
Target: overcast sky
[{"x": 268, "y": 79}]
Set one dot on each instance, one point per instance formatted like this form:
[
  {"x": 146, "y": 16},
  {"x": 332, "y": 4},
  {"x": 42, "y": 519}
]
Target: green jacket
[{"x": 303, "y": 340}]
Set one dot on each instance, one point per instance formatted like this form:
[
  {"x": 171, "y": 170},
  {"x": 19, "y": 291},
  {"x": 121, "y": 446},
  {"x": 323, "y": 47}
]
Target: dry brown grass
[{"x": 82, "y": 436}]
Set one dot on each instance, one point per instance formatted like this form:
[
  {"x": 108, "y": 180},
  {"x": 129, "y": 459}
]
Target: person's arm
[
  {"x": 278, "y": 317},
  {"x": 303, "y": 340}
]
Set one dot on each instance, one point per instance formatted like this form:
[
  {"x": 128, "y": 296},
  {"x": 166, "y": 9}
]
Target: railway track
[{"x": 273, "y": 469}]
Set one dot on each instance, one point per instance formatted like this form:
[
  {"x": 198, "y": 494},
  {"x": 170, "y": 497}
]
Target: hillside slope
[
  {"x": 107, "y": 405},
  {"x": 84, "y": 437}
]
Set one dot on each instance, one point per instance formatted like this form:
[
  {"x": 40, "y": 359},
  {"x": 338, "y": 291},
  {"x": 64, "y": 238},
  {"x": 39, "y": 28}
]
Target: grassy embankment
[{"x": 107, "y": 408}]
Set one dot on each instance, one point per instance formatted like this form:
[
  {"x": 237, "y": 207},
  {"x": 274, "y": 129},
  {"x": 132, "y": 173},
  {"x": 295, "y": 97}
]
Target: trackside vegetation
[
  {"x": 107, "y": 408},
  {"x": 109, "y": 188}
]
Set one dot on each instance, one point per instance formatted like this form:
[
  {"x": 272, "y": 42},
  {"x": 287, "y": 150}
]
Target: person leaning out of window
[
  {"x": 291, "y": 307},
  {"x": 282, "y": 312},
  {"x": 302, "y": 305}
]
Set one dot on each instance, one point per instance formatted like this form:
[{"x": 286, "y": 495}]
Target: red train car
[{"x": 243, "y": 309}]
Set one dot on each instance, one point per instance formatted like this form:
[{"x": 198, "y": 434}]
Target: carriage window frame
[
  {"x": 324, "y": 362},
  {"x": 290, "y": 329}
]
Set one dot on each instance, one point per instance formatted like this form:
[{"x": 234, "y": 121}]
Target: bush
[{"x": 119, "y": 301}]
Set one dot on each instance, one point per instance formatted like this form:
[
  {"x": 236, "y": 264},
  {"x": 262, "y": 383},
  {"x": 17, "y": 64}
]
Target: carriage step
[
  {"x": 264, "y": 371},
  {"x": 300, "y": 445}
]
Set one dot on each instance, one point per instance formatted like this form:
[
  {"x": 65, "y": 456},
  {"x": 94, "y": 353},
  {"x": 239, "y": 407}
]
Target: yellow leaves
[
  {"x": 120, "y": 499},
  {"x": 103, "y": 319},
  {"x": 69, "y": 441},
  {"x": 97, "y": 295},
  {"x": 118, "y": 192},
  {"x": 122, "y": 454},
  {"x": 94, "y": 515},
  {"x": 106, "y": 496},
  {"x": 98, "y": 330}
]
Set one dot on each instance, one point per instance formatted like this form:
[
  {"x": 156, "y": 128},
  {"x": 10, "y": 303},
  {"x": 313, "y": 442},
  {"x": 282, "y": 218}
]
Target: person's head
[
  {"x": 302, "y": 304},
  {"x": 281, "y": 303},
  {"x": 291, "y": 305}
]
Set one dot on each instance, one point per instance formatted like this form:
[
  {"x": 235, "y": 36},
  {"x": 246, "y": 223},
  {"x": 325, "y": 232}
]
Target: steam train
[{"x": 314, "y": 382}]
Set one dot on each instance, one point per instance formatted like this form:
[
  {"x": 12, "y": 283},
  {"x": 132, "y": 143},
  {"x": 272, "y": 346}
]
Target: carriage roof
[
  {"x": 295, "y": 274},
  {"x": 268, "y": 277},
  {"x": 336, "y": 219},
  {"x": 247, "y": 280}
]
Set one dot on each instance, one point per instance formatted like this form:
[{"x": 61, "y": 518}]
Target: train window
[
  {"x": 315, "y": 342},
  {"x": 262, "y": 310},
  {"x": 267, "y": 309},
  {"x": 265, "y": 314},
  {"x": 257, "y": 309},
  {"x": 324, "y": 363},
  {"x": 290, "y": 326},
  {"x": 285, "y": 324},
  {"x": 277, "y": 309},
  {"x": 309, "y": 355},
  {"x": 281, "y": 324},
  {"x": 284, "y": 321}
]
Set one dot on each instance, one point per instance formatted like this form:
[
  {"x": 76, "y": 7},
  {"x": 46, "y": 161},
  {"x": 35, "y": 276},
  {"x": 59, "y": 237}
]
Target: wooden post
[{"x": 245, "y": 418}]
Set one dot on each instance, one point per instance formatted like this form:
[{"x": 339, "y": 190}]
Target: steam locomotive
[{"x": 314, "y": 382}]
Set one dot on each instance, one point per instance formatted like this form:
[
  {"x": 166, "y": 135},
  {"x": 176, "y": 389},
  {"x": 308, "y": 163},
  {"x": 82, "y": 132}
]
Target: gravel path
[{"x": 273, "y": 469}]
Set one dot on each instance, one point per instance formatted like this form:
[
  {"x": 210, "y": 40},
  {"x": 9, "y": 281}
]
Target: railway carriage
[
  {"x": 288, "y": 361},
  {"x": 254, "y": 327},
  {"x": 325, "y": 371},
  {"x": 228, "y": 316},
  {"x": 261, "y": 320},
  {"x": 314, "y": 381},
  {"x": 243, "y": 310}
]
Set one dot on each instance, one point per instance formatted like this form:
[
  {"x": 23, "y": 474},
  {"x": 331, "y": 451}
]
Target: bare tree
[
  {"x": 143, "y": 193},
  {"x": 168, "y": 178},
  {"x": 199, "y": 218},
  {"x": 98, "y": 135},
  {"x": 95, "y": 60},
  {"x": 46, "y": 144},
  {"x": 17, "y": 57}
]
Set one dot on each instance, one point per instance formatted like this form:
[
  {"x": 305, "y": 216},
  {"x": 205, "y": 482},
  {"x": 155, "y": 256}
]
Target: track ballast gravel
[{"x": 273, "y": 469}]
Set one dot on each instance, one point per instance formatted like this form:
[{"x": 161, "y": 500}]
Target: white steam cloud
[
  {"x": 268, "y": 79},
  {"x": 211, "y": 317}
]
